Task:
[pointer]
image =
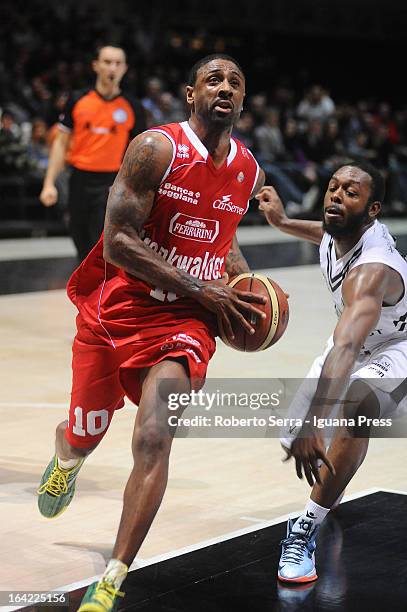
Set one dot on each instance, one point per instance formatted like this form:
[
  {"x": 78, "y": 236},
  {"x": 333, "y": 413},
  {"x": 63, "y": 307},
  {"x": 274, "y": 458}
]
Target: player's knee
[{"x": 152, "y": 441}]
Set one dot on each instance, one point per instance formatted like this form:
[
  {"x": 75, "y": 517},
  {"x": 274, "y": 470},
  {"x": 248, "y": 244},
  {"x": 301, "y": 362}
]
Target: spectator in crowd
[
  {"x": 269, "y": 139},
  {"x": 316, "y": 105},
  {"x": 383, "y": 118},
  {"x": 171, "y": 109},
  {"x": 151, "y": 101},
  {"x": 243, "y": 129},
  {"x": 13, "y": 154},
  {"x": 38, "y": 148},
  {"x": 9, "y": 128},
  {"x": 298, "y": 139},
  {"x": 313, "y": 140},
  {"x": 360, "y": 146},
  {"x": 258, "y": 108}
]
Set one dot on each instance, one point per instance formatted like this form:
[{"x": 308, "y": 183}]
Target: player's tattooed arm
[
  {"x": 129, "y": 205},
  {"x": 235, "y": 262}
]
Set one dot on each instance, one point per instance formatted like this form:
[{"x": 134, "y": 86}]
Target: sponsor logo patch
[
  {"x": 206, "y": 267},
  {"x": 183, "y": 151},
  {"x": 120, "y": 115},
  {"x": 228, "y": 206},
  {"x": 177, "y": 192},
  {"x": 194, "y": 228}
]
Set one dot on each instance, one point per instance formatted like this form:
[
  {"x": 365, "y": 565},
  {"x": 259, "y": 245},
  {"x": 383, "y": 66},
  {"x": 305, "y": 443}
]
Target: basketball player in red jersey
[{"x": 148, "y": 295}]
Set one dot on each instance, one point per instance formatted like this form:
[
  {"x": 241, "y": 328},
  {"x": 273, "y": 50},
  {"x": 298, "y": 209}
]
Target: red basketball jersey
[{"x": 191, "y": 226}]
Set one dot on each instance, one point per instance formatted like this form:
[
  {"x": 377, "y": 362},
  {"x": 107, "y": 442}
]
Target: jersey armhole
[
  {"x": 257, "y": 170},
  {"x": 255, "y": 179},
  {"x": 361, "y": 262},
  {"x": 174, "y": 150}
]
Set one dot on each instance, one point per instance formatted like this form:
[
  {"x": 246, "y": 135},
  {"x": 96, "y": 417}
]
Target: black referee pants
[{"x": 88, "y": 192}]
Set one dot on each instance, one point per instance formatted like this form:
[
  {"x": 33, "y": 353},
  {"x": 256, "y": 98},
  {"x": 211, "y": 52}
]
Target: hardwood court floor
[{"x": 216, "y": 485}]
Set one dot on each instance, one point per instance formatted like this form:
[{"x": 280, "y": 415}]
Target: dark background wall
[{"x": 355, "y": 47}]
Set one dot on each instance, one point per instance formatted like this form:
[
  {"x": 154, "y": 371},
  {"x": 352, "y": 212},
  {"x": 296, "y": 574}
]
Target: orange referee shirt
[{"x": 101, "y": 129}]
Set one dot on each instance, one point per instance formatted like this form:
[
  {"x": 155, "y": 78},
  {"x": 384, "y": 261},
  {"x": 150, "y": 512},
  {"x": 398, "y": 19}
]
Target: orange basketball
[{"x": 268, "y": 330}]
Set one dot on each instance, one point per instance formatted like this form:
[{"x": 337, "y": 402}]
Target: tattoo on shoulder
[
  {"x": 132, "y": 194},
  {"x": 141, "y": 168}
]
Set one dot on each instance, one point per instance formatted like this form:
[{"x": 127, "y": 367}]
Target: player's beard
[
  {"x": 353, "y": 224},
  {"x": 225, "y": 121},
  {"x": 222, "y": 121}
]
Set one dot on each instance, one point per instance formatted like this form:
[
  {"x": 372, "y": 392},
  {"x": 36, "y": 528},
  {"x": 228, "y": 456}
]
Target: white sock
[
  {"x": 116, "y": 572},
  {"x": 312, "y": 516},
  {"x": 68, "y": 464}
]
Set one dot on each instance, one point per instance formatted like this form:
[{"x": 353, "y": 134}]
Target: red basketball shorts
[{"x": 103, "y": 375}]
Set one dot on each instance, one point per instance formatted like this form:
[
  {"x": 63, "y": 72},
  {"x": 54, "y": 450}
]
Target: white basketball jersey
[{"x": 375, "y": 246}]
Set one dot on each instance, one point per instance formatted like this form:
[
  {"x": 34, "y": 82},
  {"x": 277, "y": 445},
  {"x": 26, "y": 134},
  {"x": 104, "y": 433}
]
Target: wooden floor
[{"x": 216, "y": 485}]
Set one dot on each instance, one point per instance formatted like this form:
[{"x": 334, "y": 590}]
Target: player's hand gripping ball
[{"x": 268, "y": 330}]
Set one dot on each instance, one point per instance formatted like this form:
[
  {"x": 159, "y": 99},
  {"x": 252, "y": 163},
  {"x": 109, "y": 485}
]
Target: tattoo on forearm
[{"x": 235, "y": 262}]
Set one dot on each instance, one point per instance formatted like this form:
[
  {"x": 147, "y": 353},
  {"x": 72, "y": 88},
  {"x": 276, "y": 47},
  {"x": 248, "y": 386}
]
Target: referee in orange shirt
[{"x": 93, "y": 134}]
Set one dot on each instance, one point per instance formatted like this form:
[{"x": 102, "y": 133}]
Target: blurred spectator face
[
  {"x": 110, "y": 66},
  {"x": 332, "y": 128},
  {"x": 154, "y": 88},
  {"x": 258, "y": 104},
  {"x": 383, "y": 133},
  {"x": 245, "y": 124},
  {"x": 39, "y": 89},
  {"x": 361, "y": 139},
  {"x": 291, "y": 127},
  {"x": 384, "y": 110},
  {"x": 368, "y": 120},
  {"x": 7, "y": 122},
  {"x": 39, "y": 130},
  {"x": 273, "y": 118},
  {"x": 166, "y": 102},
  {"x": 315, "y": 127},
  {"x": 283, "y": 96},
  {"x": 315, "y": 94},
  {"x": 362, "y": 106}
]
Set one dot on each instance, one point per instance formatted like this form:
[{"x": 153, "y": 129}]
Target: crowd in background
[
  {"x": 297, "y": 142},
  {"x": 297, "y": 133}
]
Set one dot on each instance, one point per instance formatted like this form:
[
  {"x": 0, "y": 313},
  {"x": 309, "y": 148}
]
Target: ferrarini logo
[
  {"x": 194, "y": 228},
  {"x": 228, "y": 206}
]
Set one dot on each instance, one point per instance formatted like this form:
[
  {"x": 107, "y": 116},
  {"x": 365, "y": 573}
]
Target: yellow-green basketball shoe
[
  {"x": 57, "y": 488},
  {"x": 101, "y": 596}
]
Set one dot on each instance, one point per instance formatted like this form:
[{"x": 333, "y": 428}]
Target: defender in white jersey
[{"x": 363, "y": 371}]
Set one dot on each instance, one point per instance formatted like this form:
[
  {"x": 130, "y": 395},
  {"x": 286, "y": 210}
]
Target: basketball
[{"x": 268, "y": 330}]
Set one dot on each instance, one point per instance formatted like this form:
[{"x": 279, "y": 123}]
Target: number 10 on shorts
[{"x": 96, "y": 422}]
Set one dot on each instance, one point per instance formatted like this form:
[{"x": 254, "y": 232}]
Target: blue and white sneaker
[{"x": 297, "y": 561}]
